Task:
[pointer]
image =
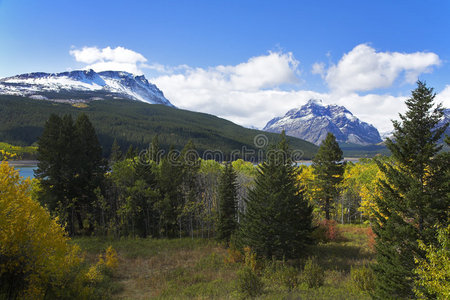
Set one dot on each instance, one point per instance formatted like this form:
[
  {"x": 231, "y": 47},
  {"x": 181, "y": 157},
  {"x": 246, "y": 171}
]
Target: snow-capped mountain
[
  {"x": 445, "y": 119},
  {"x": 83, "y": 85},
  {"x": 313, "y": 121}
]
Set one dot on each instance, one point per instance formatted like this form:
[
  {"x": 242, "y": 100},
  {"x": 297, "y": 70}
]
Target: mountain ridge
[
  {"x": 82, "y": 85},
  {"x": 314, "y": 120}
]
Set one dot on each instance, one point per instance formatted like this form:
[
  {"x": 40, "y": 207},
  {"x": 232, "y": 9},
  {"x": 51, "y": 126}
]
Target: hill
[{"x": 135, "y": 122}]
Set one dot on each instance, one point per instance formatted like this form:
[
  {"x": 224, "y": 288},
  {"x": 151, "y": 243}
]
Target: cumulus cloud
[
  {"x": 246, "y": 93},
  {"x": 318, "y": 68},
  {"x": 444, "y": 97},
  {"x": 253, "y": 92},
  {"x": 106, "y": 59},
  {"x": 365, "y": 69}
]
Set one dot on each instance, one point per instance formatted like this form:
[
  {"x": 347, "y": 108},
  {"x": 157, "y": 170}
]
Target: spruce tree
[
  {"x": 227, "y": 203},
  {"x": 413, "y": 197},
  {"x": 116, "y": 153},
  {"x": 329, "y": 169},
  {"x": 154, "y": 151},
  {"x": 277, "y": 219},
  {"x": 90, "y": 167},
  {"x": 169, "y": 184},
  {"x": 70, "y": 168}
]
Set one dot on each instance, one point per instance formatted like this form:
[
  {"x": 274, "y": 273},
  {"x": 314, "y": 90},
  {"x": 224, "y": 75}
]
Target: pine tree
[
  {"x": 116, "y": 153},
  {"x": 90, "y": 167},
  {"x": 154, "y": 154},
  {"x": 277, "y": 219},
  {"x": 329, "y": 171},
  {"x": 413, "y": 197},
  {"x": 70, "y": 168},
  {"x": 169, "y": 183},
  {"x": 227, "y": 204},
  {"x": 131, "y": 152}
]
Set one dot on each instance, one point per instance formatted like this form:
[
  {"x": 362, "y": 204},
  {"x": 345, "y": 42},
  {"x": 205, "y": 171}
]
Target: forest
[
  {"x": 133, "y": 123},
  {"x": 168, "y": 224}
]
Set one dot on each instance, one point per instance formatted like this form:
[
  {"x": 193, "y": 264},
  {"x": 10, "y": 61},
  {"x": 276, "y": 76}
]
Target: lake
[
  {"x": 25, "y": 167},
  {"x": 26, "y": 171}
]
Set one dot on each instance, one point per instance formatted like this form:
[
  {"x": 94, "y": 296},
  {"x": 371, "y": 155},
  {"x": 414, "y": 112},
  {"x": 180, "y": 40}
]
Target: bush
[
  {"x": 313, "y": 274},
  {"x": 249, "y": 284},
  {"x": 282, "y": 274},
  {"x": 327, "y": 231},
  {"x": 371, "y": 239},
  {"x": 289, "y": 277},
  {"x": 363, "y": 278}
]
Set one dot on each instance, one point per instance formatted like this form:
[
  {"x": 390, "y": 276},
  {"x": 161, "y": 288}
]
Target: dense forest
[
  {"x": 274, "y": 223},
  {"x": 134, "y": 123}
]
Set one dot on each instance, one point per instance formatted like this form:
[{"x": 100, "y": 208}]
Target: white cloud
[
  {"x": 107, "y": 59},
  {"x": 250, "y": 92},
  {"x": 444, "y": 97},
  {"x": 318, "y": 68},
  {"x": 364, "y": 69}
]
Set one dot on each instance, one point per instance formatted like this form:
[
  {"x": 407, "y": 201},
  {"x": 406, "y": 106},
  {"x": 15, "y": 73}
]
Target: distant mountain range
[
  {"x": 314, "y": 120},
  {"x": 83, "y": 86}
]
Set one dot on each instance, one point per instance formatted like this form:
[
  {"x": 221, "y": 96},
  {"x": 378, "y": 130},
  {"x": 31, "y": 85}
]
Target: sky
[{"x": 246, "y": 61}]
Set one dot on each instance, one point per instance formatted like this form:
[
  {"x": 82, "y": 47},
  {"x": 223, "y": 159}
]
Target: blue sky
[{"x": 182, "y": 45}]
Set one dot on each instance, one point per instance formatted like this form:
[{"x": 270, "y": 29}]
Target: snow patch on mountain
[{"x": 117, "y": 83}]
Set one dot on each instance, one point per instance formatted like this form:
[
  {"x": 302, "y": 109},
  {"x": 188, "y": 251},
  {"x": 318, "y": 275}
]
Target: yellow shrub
[
  {"x": 34, "y": 249},
  {"x": 111, "y": 260}
]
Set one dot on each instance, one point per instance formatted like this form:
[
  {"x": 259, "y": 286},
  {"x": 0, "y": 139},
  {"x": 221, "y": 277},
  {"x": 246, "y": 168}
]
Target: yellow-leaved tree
[
  {"x": 36, "y": 259},
  {"x": 434, "y": 271}
]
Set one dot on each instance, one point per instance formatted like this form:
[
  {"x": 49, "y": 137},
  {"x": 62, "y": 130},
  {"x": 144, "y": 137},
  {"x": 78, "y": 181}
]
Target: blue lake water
[{"x": 26, "y": 171}]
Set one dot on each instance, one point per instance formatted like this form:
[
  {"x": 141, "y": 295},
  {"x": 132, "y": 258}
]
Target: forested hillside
[{"x": 132, "y": 122}]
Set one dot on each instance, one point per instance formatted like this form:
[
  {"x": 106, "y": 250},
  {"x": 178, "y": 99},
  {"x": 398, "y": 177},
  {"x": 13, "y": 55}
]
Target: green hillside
[{"x": 133, "y": 122}]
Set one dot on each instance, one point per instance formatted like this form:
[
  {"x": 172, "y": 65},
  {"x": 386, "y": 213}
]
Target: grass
[{"x": 196, "y": 269}]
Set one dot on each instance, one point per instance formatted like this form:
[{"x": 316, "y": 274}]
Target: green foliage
[
  {"x": 227, "y": 222},
  {"x": 20, "y": 152},
  {"x": 70, "y": 168},
  {"x": 248, "y": 283},
  {"x": 328, "y": 169},
  {"x": 313, "y": 274},
  {"x": 133, "y": 122},
  {"x": 277, "y": 219},
  {"x": 283, "y": 274},
  {"x": 116, "y": 153},
  {"x": 363, "y": 278},
  {"x": 414, "y": 195},
  {"x": 434, "y": 270}
]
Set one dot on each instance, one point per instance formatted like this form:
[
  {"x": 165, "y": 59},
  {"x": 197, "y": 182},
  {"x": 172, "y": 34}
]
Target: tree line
[{"x": 270, "y": 207}]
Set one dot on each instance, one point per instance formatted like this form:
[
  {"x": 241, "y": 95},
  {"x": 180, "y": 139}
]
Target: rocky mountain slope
[
  {"x": 83, "y": 85},
  {"x": 314, "y": 120}
]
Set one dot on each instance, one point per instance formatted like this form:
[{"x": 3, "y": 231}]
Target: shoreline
[{"x": 23, "y": 163}]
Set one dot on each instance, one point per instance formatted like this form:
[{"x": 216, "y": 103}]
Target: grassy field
[{"x": 197, "y": 269}]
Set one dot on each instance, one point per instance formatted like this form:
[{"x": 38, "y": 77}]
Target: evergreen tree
[
  {"x": 131, "y": 152},
  {"x": 414, "y": 198},
  {"x": 227, "y": 203},
  {"x": 329, "y": 169},
  {"x": 154, "y": 150},
  {"x": 169, "y": 182},
  {"x": 70, "y": 168},
  {"x": 190, "y": 165},
  {"x": 57, "y": 169},
  {"x": 90, "y": 167},
  {"x": 116, "y": 153},
  {"x": 277, "y": 219}
]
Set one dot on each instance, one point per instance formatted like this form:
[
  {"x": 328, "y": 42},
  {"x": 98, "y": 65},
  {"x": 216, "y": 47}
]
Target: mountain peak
[
  {"x": 84, "y": 85},
  {"x": 314, "y": 120}
]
